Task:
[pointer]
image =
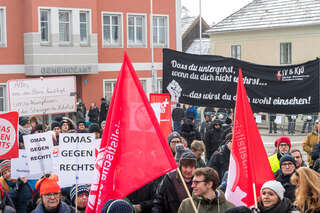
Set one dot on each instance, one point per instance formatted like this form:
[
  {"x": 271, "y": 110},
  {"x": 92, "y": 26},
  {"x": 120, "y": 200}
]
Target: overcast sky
[{"x": 214, "y": 10}]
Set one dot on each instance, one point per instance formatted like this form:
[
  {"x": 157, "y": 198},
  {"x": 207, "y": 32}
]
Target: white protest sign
[
  {"x": 20, "y": 167},
  {"x": 258, "y": 118},
  {"x": 39, "y": 152},
  {"x": 278, "y": 119},
  {"x": 76, "y": 158},
  {"x": 42, "y": 95}
]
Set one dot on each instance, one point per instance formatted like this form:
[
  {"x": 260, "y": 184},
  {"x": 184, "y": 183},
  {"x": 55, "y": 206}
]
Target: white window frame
[
  {"x": 3, "y": 26},
  {"x": 144, "y": 31},
  {"x": 70, "y": 26},
  {"x": 159, "y": 85},
  {"x": 159, "y": 45},
  {"x": 88, "y": 27},
  {"x": 289, "y": 57},
  {"x": 238, "y": 54},
  {"x": 5, "y": 92},
  {"x": 112, "y": 45},
  {"x": 104, "y": 87},
  {"x": 49, "y": 26}
]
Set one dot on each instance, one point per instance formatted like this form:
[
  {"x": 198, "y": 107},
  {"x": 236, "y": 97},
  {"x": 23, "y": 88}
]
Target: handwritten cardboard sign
[{"x": 42, "y": 95}]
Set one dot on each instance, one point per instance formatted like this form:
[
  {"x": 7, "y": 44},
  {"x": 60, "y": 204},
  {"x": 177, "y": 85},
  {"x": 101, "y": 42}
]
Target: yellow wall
[{"x": 263, "y": 46}]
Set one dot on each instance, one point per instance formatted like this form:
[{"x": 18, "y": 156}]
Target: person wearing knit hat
[
  {"x": 94, "y": 128},
  {"x": 117, "y": 206},
  {"x": 81, "y": 199},
  {"x": 50, "y": 194},
  {"x": 6, "y": 182},
  {"x": 283, "y": 145},
  {"x": 81, "y": 127},
  {"x": 272, "y": 199},
  {"x": 171, "y": 191},
  {"x": 283, "y": 175},
  {"x": 173, "y": 139},
  {"x": 20, "y": 191}
]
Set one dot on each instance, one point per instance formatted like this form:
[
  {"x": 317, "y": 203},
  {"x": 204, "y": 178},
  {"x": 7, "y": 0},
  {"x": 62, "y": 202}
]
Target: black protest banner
[{"x": 205, "y": 80}]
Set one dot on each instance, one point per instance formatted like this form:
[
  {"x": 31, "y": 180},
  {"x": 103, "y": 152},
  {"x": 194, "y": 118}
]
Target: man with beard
[{"x": 171, "y": 192}]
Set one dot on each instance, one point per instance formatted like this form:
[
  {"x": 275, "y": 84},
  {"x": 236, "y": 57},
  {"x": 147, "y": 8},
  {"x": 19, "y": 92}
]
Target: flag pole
[
  {"x": 187, "y": 190},
  {"x": 255, "y": 195},
  {"x": 76, "y": 199}
]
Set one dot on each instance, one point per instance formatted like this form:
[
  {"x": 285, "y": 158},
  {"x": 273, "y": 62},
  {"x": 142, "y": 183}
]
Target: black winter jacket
[
  {"x": 166, "y": 199},
  {"x": 284, "y": 206},
  {"x": 289, "y": 187},
  {"x": 212, "y": 140},
  {"x": 220, "y": 161}
]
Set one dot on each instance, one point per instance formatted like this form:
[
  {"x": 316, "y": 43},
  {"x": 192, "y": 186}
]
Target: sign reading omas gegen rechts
[{"x": 42, "y": 95}]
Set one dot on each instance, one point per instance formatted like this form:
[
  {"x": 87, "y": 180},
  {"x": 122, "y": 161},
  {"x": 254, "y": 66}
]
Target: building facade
[
  {"x": 86, "y": 39},
  {"x": 271, "y": 32}
]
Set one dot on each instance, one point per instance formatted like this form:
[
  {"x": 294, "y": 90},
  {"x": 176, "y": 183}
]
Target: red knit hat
[
  {"x": 282, "y": 139},
  {"x": 48, "y": 185},
  {"x": 6, "y": 164}
]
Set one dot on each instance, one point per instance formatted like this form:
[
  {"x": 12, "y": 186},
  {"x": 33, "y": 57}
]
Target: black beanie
[
  {"x": 239, "y": 209},
  {"x": 116, "y": 206},
  {"x": 23, "y": 121},
  {"x": 287, "y": 157},
  {"x": 54, "y": 124},
  {"x": 94, "y": 127}
]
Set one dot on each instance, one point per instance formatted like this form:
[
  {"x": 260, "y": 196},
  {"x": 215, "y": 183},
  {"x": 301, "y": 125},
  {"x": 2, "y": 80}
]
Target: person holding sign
[
  {"x": 19, "y": 190},
  {"x": 50, "y": 196}
]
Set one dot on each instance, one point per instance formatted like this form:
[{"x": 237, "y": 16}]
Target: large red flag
[
  {"x": 133, "y": 150},
  {"x": 249, "y": 163}
]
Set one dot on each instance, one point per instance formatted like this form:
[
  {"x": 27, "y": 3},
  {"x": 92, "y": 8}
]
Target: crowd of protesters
[{"x": 202, "y": 152}]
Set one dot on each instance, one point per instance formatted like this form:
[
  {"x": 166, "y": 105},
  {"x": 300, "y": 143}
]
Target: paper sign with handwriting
[{"x": 42, "y": 95}]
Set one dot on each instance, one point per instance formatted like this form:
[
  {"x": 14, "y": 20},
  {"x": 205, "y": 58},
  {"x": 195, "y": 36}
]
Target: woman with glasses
[
  {"x": 308, "y": 190},
  {"x": 50, "y": 196}
]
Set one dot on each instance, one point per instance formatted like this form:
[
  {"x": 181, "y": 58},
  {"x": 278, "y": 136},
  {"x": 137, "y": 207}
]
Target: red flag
[
  {"x": 248, "y": 160},
  {"x": 162, "y": 107},
  {"x": 9, "y": 135},
  {"x": 133, "y": 150}
]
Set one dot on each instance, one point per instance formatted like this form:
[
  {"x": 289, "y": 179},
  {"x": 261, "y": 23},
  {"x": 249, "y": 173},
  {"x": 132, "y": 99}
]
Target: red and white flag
[
  {"x": 249, "y": 163},
  {"x": 133, "y": 150},
  {"x": 9, "y": 135},
  {"x": 162, "y": 108}
]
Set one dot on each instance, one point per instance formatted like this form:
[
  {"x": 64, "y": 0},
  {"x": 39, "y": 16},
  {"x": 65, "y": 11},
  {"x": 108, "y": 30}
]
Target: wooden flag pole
[
  {"x": 187, "y": 190},
  {"x": 255, "y": 195},
  {"x": 76, "y": 199}
]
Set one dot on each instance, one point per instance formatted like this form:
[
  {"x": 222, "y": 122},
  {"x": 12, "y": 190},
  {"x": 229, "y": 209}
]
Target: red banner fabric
[
  {"x": 248, "y": 160},
  {"x": 133, "y": 150}
]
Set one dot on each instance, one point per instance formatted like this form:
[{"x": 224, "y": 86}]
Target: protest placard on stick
[{"x": 76, "y": 158}]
